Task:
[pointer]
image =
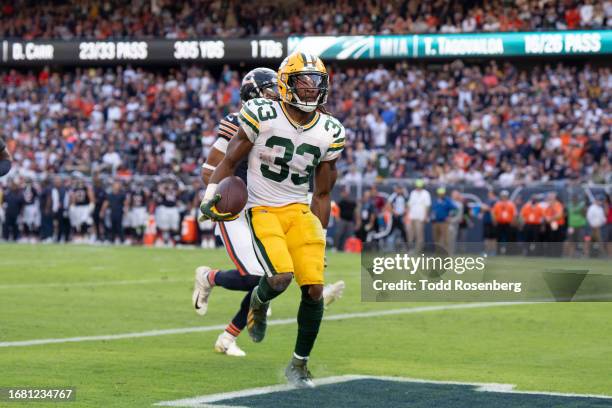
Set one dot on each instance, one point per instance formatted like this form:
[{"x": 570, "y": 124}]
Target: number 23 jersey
[{"x": 285, "y": 154}]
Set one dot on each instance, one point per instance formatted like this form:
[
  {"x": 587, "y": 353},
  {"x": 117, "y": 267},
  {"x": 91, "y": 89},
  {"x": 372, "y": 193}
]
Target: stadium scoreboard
[
  {"x": 261, "y": 50},
  {"x": 145, "y": 51},
  {"x": 478, "y": 45}
]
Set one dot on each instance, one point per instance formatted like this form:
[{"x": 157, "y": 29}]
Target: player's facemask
[
  {"x": 270, "y": 92},
  {"x": 306, "y": 91}
]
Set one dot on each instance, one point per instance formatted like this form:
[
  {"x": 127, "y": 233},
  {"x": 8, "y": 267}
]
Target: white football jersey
[{"x": 285, "y": 154}]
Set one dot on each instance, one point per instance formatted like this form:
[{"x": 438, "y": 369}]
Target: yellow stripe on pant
[{"x": 289, "y": 239}]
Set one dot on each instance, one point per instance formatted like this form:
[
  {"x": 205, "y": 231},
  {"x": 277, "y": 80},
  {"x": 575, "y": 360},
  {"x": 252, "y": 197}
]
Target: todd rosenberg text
[{"x": 458, "y": 285}]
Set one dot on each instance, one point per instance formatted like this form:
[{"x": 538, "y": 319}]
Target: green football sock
[
  {"x": 265, "y": 292},
  {"x": 309, "y": 319}
]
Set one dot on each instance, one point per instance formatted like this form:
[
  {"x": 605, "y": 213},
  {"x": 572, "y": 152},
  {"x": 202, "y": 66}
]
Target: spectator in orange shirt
[
  {"x": 555, "y": 222},
  {"x": 503, "y": 213},
  {"x": 462, "y": 160},
  {"x": 575, "y": 153},
  {"x": 532, "y": 215}
]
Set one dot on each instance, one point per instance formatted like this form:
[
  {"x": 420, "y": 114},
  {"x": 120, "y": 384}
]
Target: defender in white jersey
[
  {"x": 287, "y": 142},
  {"x": 260, "y": 82}
]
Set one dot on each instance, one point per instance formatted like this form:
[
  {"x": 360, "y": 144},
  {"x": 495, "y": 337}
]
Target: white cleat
[
  {"x": 226, "y": 344},
  {"x": 333, "y": 292},
  {"x": 201, "y": 290}
]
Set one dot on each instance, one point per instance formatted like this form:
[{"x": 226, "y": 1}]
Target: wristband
[
  {"x": 325, "y": 232},
  {"x": 211, "y": 189}
]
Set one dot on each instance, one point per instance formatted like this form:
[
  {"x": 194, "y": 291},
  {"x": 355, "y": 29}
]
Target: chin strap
[{"x": 301, "y": 106}]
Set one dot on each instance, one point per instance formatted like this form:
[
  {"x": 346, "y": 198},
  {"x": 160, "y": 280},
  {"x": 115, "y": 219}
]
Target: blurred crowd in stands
[
  {"x": 107, "y": 19},
  {"x": 457, "y": 123},
  {"x": 449, "y": 123}
]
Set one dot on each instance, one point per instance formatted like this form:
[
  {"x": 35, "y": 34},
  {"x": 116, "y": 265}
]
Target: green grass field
[{"x": 74, "y": 291}]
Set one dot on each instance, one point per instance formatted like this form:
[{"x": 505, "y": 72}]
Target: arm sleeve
[
  {"x": 249, "y": 121},
  {"x": 221, "y": 144}
]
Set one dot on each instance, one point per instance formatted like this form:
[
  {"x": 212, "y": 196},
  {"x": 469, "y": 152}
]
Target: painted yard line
[
  {"x": 277, "y": 322},
  {"x": 95, "y": 283},
  {"x": 204, "y": 400}
]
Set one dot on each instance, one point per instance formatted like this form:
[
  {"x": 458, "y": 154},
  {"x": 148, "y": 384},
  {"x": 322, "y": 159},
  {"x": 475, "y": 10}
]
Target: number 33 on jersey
[{"x": 285, "y": 154}]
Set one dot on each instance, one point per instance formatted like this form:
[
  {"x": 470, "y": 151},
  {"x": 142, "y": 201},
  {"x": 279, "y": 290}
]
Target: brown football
[{"x": 233, "y": 195}]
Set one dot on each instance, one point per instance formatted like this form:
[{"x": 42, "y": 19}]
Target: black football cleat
[{"x": 257, "y": 320}]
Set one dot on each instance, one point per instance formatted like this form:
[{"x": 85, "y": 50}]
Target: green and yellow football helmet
[{"x": 303, "y": 81}]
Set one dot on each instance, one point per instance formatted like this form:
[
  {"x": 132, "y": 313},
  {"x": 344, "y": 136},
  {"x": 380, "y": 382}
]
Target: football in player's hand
[{"x": 234, "y": 195}]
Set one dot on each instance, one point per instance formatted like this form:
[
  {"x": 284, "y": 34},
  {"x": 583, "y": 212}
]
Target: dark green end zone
[{"x": 383, "y": 393}]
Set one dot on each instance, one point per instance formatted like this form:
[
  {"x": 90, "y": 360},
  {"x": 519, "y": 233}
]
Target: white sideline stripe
[
  {"x": 277, "y": 322},
  {"x": 202, "y": 401},
  {"x": 96, "y": 283},
  {"x": 205, "y": 400}
]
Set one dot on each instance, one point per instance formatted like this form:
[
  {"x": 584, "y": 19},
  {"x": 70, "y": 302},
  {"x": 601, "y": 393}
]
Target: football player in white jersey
[
  {"x": 236, "y": 235},
  {"x": 286, "y": 142}
]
